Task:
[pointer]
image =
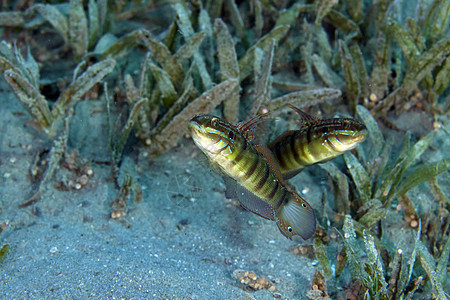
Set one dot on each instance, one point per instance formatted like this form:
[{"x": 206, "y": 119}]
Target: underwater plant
[
  {"x": 364, "y": 196},
  {"x": 24, "y": 78},
  {"x": 176, "y": 79},
  {"x": 211, "y": 42},
  {"x": 165, "y": 61},
  {"x": 5, "y": 248},
  {"x": 375, "y": 182}
]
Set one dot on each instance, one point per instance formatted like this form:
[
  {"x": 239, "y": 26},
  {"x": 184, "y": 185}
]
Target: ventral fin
[
  {"x": 248, "y": 200},
  {"x": 248, "y": 128},
  {"x": 307, "y": 119}
]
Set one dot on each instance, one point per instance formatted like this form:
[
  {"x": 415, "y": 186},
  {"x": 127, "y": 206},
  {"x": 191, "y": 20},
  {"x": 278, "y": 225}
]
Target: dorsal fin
[
  {"x": 307, "y": 119},
  {"x": 248, "y": 128}
]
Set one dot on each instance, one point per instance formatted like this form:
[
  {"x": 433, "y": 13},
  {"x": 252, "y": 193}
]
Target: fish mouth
[
  {"x": 195, "y": 127},
  {"x": 196, "y": 124},
  {"x": 360, "y": 135},
  {"x": 198, "y": 134},
  {"x": 345, "y": 143}
]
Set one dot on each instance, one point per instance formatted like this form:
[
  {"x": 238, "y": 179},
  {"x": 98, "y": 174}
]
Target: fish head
[
  {"x": 345, "y": 134},
  {"x": 296, "y": 217},
  {"x": 212, "y": 134}
]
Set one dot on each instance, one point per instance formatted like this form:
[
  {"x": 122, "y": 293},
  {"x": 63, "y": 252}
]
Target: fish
[
  {"x": 317, "y": 141},
  {"x": 251, "y": 173}
]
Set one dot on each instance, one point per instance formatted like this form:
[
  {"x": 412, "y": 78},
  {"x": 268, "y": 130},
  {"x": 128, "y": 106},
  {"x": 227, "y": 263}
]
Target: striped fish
[
  {"x": 251, "y": 174},
  {"x": 317, "y": 141}
]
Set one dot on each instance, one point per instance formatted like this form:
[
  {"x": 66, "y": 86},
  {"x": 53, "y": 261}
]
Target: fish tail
[{"x": 296, "y": 216}]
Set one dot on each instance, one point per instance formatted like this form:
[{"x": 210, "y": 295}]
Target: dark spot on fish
[
  {"x": 303, "y": 149},
  {"x": 263, "y": 179},
  {"x": 252, "y": 168},
  {"x": 309, "y": 134},
  {"x": 239, "y": 156},
  {"x": 285, "y": 199},
  {"x": 274, "y": 190},
  {"x": 244, "y": 145},
  {"x": 293, "y": 145},
  {"x": 278, "y": 154}
]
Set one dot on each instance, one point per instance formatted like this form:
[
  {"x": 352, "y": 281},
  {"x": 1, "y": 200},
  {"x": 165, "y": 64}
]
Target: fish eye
[
  {"x": 231, "y": 134},
  {"x": 303, "y": 205},
  {"x": 346, "y": 124},
  {"x": 289, "y": 228},
  {"x": 214, "y": 122}
]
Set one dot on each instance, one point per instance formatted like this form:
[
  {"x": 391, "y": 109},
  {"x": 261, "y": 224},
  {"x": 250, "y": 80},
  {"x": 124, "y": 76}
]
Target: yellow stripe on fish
[
  {"x": 317, "y": 141},
  {"x": 250, "y": 173}
]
